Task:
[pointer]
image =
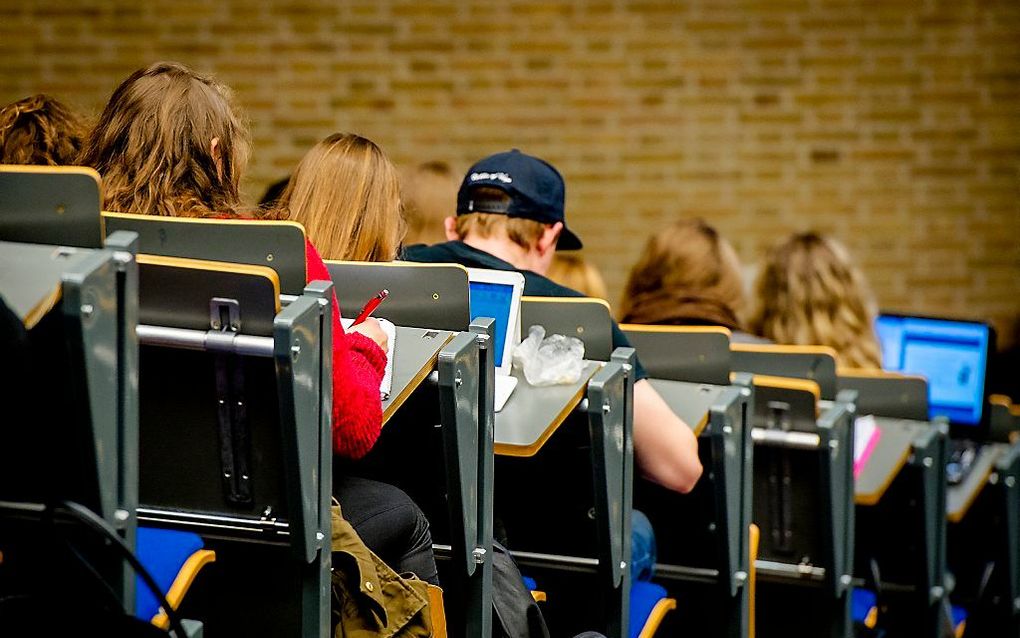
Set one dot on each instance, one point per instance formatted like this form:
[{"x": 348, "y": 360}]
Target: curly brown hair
[
  {"x": 169, "y": 143},
  {"x": 40, "y": 130}
]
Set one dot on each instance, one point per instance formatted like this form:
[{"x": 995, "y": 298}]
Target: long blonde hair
[
  {"x": 153, "y": 145},
  {"x": 810, "y": 293},
  {"x": 40, "y": 130},
  {"x": 688, "y": 273},
  {"x": 346, "y": 193}
]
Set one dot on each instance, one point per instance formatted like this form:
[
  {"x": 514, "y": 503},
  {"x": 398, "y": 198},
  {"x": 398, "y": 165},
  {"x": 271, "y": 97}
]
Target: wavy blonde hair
[
  {"x": 40, "y": 130},
  {"x": 688, "y": 273},
  {"x": 153, "y": 145},
  {"x": 810, "y": 293},
  {"x": 346, "y": 194}
]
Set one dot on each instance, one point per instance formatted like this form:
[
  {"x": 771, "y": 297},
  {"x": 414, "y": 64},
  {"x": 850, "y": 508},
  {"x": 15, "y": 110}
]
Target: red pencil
[{"x": 370, "y": 307}]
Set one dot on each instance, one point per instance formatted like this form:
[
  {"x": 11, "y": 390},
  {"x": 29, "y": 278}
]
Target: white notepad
[{"x": 386, "y": 385}]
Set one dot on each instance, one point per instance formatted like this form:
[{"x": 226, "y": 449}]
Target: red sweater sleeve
[{"x": 358, "y": 367}]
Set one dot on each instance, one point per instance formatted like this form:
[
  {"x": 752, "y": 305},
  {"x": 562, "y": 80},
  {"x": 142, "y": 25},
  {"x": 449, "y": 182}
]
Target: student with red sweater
[{"x": 169, "y": 143}]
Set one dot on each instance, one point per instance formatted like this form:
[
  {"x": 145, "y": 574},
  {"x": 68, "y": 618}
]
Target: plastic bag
[{"x": 552, "y": 360}]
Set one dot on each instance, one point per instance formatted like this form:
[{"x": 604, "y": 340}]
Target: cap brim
[{"x": 568, "y": 240}]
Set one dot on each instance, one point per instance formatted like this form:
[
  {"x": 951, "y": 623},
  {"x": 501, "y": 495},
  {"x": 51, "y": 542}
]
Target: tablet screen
[{"x": 493, "y": 300}]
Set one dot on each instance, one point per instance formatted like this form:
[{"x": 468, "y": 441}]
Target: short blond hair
[
  {"x": 523, "y": 232},
  {"x": 810, "y": 293}
]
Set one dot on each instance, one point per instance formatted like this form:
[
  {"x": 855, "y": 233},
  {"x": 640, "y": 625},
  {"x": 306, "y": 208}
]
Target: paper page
[
  {"x": 866, "y": 435},
  {"x": 386, "y": 385}
]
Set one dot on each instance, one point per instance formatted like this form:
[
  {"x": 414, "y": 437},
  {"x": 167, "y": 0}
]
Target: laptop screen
[
  {"x": 493, "y": 300},
  {"x": 953, "y": 355}
]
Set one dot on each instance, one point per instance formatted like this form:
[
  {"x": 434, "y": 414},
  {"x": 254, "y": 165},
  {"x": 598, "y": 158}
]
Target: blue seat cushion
[
  {"x": 959, "y": 616},
  {"x": 861, "y": 603},
  {"x": 163, "y": 553},
  {"x": 643, "y": 598}
]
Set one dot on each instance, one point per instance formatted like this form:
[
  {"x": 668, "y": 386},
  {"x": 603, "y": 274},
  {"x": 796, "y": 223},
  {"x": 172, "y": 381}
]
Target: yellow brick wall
[{"x": 894, "y": 124}]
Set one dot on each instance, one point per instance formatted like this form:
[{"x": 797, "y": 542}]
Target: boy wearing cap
[{"x": 510, "y": 217}]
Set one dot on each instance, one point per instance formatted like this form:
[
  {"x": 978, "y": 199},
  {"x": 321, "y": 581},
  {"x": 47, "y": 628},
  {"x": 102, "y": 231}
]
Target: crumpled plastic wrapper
[{"x": 552, "y": 360}]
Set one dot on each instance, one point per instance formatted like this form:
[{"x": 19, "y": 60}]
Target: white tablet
[{"x": 497, "y": 294}]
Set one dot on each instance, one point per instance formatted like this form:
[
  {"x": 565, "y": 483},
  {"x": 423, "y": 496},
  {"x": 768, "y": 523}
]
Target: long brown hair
[
  {"x": 40, "y": 130},
  {"x": 347, "y": 195},
  {"x": 574, "y": 271},
  {"x": 810, "y": 293},
  {"x": 688, "y": 273},
  {"x": 153, "y": 145}
]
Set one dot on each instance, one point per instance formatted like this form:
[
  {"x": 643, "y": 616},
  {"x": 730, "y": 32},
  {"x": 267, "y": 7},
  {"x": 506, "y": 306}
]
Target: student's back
[{"x": 510, "y": 216}]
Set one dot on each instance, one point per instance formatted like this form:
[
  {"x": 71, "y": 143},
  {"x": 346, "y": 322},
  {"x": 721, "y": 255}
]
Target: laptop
[
  {"x": 953, "y": 355},
  {"x": 497, "y": 294}
]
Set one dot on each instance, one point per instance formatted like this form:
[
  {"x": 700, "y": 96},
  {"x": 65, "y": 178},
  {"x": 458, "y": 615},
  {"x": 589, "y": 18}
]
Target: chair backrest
[
  {"x": 697, "y": 354},
  {"x": 1001, "y": 421},
  {"x": 816, "y": 363},
  {"x": 434, "y": 296},
  {"x": 779, "y": 398},
  {"x": 279, "y": 245},
  {"x": 222, "y": 433},
  {"x": 586, "y": 318},
  {"x": 887, "y": 394},
  {"x": 56, "y": 205},
  {"x": 235, "y": 443},
  {"x": 803, "y": 478}
]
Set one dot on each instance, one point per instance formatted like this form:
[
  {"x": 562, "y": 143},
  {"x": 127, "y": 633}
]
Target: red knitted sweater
[{"x": 358, "y": 367}]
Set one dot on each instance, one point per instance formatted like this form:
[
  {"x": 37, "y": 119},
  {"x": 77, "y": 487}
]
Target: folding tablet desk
[
  {"x": 960, "y": 497},
  {"x": 94, "y": 291},
  {"x": 414, "y": 358},
  {"x": 900, "y": 530},
  {"x": 530, "y": 418},
  {"x": 703, "y": 537},
  {"x": 887, "y": 458},
  {"x": 534, "y": 413}
]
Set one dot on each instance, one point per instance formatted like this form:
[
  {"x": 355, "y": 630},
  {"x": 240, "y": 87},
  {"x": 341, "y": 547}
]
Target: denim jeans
[{"x": 642, "y": 547}]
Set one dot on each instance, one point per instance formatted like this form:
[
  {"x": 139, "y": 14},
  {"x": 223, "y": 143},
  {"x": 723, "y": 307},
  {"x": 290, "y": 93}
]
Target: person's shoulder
[
  {"x": 424, "y": 252},
  {"x": 537, "y": 285}
]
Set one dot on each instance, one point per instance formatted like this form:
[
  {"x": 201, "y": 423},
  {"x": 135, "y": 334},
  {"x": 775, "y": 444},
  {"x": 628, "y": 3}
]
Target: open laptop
[
  {"x": 953, "y": 355},
  {"x": 497, "y": 294}
]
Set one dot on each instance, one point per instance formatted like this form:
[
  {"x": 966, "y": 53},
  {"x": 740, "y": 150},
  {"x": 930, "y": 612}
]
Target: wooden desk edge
[
  {"x": 397, "y": 401},
  {"x": 872, "y": 498},
  {"x": 957, "y": 515},
  {"x": 509, "y": 449},
  {"x": 43, "y": 307}
]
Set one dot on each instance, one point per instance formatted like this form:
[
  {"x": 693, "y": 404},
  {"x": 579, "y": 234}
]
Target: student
[
  {"x": 170, "y": 143},
  {"x": 574, "y": 272},
  {"x": 430, "y": 193},
  {"x": 40, "y": 130},
  {"x": 346, "y": 194},
  {"x": 688, "y": 275},
  {"x": 810, "y": 293},
  {"x": 510, "y": 217}
]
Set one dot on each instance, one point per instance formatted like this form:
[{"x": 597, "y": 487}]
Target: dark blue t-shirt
[{"x": 457, "y": 252}]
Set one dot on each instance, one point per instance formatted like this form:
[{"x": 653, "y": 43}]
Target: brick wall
[{"x": 894, "y": 124}]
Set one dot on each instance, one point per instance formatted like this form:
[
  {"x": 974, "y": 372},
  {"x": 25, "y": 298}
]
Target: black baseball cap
[{"x": 535, "y": 188}]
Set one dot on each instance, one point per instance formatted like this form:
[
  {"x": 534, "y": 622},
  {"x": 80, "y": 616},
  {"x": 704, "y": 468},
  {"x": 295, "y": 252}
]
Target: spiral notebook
[{"x": 386, "y": 385}]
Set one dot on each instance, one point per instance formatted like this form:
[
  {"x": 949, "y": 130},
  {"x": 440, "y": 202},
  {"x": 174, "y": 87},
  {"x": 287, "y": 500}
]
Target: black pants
[{"x": 389, "y": 523}]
